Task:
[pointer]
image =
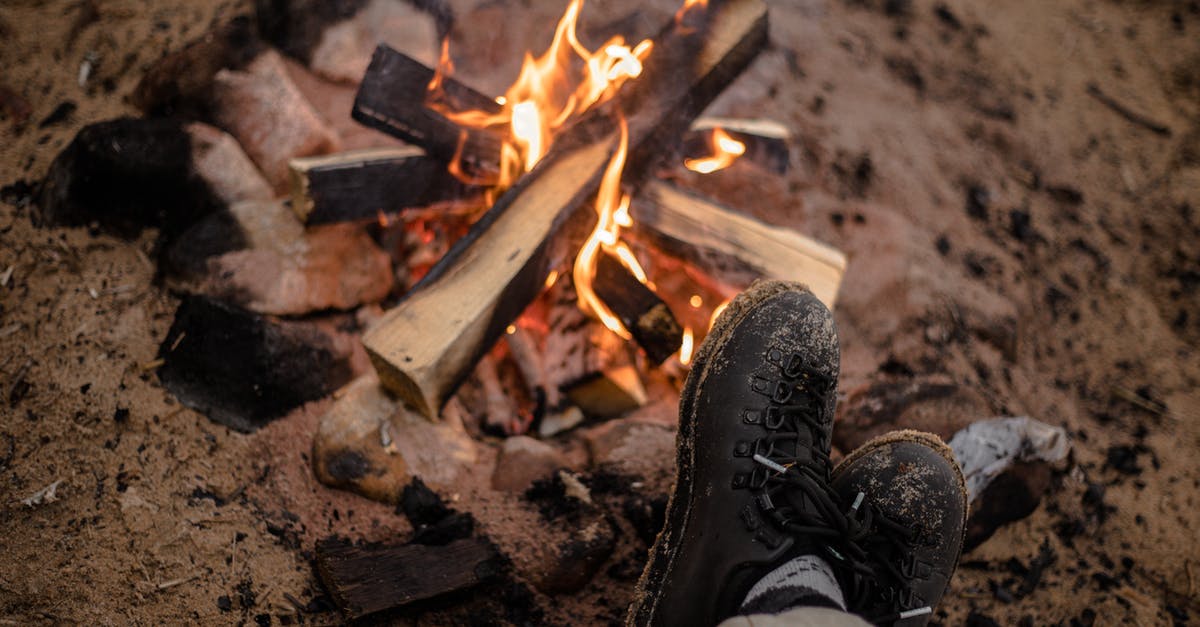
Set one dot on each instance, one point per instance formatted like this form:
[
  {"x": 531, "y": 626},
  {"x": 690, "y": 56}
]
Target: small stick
[
  {"x": 1094, "y": 91},
  {"x": 178, "y": 582}
]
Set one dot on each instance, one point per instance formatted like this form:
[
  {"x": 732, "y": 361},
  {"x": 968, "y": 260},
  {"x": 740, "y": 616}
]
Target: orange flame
[
  {"x": 612, "y": 213},
  {"x": 550, "y": 91},
  {"x": 726, "y": 150}
]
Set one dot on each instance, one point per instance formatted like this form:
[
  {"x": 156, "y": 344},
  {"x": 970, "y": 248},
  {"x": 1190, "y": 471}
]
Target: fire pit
[{"x": 521, "y": 265}]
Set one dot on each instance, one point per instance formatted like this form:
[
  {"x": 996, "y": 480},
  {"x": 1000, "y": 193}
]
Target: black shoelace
[{"x": 862, "y": 545}]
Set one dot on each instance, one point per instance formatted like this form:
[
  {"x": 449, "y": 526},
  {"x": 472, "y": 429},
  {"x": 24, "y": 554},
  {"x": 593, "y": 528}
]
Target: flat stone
[
  {"x": 631, "y": 446},
  {"x": 344, "y": 49},
  {"x": 264, "y": 110},
  {"x": 225, "y": 362},
  {"x": 280, "y": 268},
  {"x": 370, "y": 444},
  {"x": 219, "y": 159},
  {"x": 523, "y": 460},
  {"x": 934, "y": 405}
]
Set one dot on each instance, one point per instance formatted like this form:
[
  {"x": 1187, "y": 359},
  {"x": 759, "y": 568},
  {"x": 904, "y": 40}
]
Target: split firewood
[
  {"x": 641, "y": 311},
  {"x": 264, "y": 110},
  {"x": 362, "y": 184},
  {"x": 366, "y": 579},
  {"x": 730, "y": 244},
  {"x": 392, "y": 98},
  {"x": 425, "y": 346}
]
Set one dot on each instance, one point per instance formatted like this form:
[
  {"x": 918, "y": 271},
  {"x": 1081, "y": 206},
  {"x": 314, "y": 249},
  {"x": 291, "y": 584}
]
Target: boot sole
[{"x": 663, "y": 553}]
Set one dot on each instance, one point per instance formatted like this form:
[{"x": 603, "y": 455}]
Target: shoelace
[{"x": 798, "y": 498}]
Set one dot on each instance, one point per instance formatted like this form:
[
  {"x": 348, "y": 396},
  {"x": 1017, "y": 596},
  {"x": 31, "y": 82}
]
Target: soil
[{"x": 1017, "y": 187}]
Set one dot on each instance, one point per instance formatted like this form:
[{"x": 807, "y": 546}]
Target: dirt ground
[{"x": 1017, "y": 188}]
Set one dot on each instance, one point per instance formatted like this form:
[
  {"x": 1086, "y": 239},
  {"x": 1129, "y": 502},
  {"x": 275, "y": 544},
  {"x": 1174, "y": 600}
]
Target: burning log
[
  {"x": 426, "y": 345},
  {"x": 729, "y": 244},
  {"x": 368, "y": 579},
  {"x": 360, "y": 184},
  {"x": 648, "y": 319},
  {"x": 392, "y": 98}
]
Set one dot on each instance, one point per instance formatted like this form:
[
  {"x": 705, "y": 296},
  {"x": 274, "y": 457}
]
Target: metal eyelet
[{"x": 752, "y": 416}]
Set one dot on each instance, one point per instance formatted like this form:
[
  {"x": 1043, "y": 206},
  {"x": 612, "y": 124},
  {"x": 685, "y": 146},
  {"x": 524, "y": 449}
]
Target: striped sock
[{"x": 806, "y": 580}]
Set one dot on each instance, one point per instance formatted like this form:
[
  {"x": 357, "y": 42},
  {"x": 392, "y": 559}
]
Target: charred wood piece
[
  {"x": 361, "y": 184},
  {"x": 392, "y": 98},
  {"x": 766, "y": 141},
  {"x": 367, "y": 579},
  {"x": 643, "y": 313}
]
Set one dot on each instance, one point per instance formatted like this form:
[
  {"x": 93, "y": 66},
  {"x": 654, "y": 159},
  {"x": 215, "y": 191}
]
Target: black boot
[
  {"x": 752, "y": 488},
  {"x": 907, "y": 506}
]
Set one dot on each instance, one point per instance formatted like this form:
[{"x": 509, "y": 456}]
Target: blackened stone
[
  {"x": 421, "y": 505},
  {"x": 244, "y": 370},
  {"x": 126, "y": 174}
]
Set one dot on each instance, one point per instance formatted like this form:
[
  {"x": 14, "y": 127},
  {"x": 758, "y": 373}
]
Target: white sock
[{"x": 803, "y": 580}]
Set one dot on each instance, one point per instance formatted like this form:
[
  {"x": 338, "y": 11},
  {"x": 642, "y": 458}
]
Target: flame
[
  {"x": 685, "y": 347},
  {"x": 612, "y": 212},
  {"x": 550, "y": 91},
  {"x": 726, "y": 150}
]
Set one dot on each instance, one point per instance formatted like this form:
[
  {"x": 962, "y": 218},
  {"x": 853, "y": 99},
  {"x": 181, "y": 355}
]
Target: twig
[
  {"x": 1094, "y": 91},
  {"x": 177, "y": 582},
  {"x": 1138, "y": 400}
]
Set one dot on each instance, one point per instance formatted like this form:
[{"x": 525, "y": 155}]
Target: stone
[
  {"x": 370, "y": 444},
  {"x": 127, "y": 175},
  {"x": 225, "y": 362},
  {"x": 279, "y": 267},
  {"x": 264, "y": 110},
  {"x": 523, "y": 460},
  {"x": 344, "y": 49},
  {"x": 631, "y": 446},
  {"x": 219, "y": 159}
]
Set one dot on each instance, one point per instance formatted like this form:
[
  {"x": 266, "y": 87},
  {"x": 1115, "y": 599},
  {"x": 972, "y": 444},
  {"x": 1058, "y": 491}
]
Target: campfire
[{"x": 523, "y": 264}]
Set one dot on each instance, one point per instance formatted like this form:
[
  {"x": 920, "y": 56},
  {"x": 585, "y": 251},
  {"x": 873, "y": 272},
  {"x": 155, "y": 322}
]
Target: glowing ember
[{"x": 726, "y": 150}]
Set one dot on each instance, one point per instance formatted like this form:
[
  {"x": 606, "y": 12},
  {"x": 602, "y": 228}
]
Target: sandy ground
[{"x": 953, "y": 150}]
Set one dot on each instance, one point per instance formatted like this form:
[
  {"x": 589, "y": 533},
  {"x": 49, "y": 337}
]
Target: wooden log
[
  {"x": 360, "y": 184},
  {"x": 392, "y": 99},
  {"x": 426, "y": 345},
  {"x": 644, "y": 314},
  {"x": 732, "y": 246},
  {"x": 369, "y": 579}
]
